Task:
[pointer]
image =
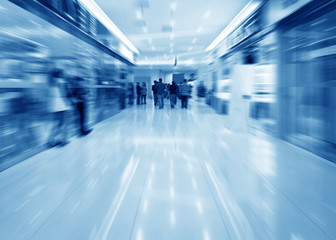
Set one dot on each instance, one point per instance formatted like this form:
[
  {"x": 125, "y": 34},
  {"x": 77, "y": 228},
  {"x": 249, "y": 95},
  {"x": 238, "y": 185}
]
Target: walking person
[
  {"x": 155, "y": 95},
  {"x": 161, "y": 93},
  {"x": 143, "y": 93},
  {"x": 172, "y": 92},
  {"x": 130, "y": 93},
  {"x": 80, "y": 95},
  {"x": 138, "y": 92},
  {"x": 184, "y": 92},
  {"x": 58, "y": 107}
]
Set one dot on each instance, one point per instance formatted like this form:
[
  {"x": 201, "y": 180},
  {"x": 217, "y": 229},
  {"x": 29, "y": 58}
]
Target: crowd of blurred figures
[{"x": 161, "y": 91}]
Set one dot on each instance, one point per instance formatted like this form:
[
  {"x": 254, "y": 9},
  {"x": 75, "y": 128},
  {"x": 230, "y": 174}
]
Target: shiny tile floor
[{"x": 170, "y": 174}]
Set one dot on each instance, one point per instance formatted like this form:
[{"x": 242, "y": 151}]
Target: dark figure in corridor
[
  {"x": 155, "y": 95},
  {"x": 143, "y": 93},
  {"x": 130, "y": 93},
  {"x": 184, "y": 90},
  {"x": 172, "y": 92},
  {"x": 138, "y": 92},
  {"x": 80, "y": 95},
  {"x": 161, "y": 93}
]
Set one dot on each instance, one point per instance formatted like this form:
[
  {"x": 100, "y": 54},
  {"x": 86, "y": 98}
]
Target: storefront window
[{"x": 311, "y": 58}]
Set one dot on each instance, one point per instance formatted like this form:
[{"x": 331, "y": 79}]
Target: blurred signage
[
  {"x": 246, "y": 30},
  {"x": 73, "y": 11},
  {"x": 252, "y": 26},
  {"x": 277, "y": 10},
  {"x": 288, "y": 3}
]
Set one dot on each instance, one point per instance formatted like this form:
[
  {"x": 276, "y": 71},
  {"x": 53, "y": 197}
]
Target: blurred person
[
  {"x": 201, "y": 91},
  {"x": 138, "y": 92},
  {"x": 58, "y": 107},
  {"x": 130, "y": 93},
  {"x": 143, "y": 93},
  {"x": 161, "y": 92},
  {"x": 167, "y": 85},
  {"x": 172, "y": 92},
  {"x": 122, "y": 96},
  {"x": 154, "y": 89},
  {"x": 80, "y": 95},
  {"x": 184, "y": 91}
]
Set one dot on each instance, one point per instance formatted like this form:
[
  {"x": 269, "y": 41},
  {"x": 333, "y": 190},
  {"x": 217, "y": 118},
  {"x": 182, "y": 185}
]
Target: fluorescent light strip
[
  {"x": 241, "y": 16},
  {"x": 173, "y": 6},
  {"x": 95, "y": 10},
  {"x": 199, "y": 29},
  {"x": 138, "y": 14},
  {"x": 206, "y": 14}
]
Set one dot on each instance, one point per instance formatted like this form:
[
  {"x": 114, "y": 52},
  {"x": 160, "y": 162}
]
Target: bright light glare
[
  {"x": 242, "y": 15},
  {"x": 173, "y": 6},
  {"x": 138, "y": 14},
  {"x": 207, "y": 14}
]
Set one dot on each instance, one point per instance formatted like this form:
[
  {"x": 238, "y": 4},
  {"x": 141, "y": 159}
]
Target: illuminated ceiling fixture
[
  {"x": 144, "y": 29},
  {"x": 95, "y": 10},
  {"x": 206, "y": 14},
  {"x": 138, "y": 14},
  {"x": 199, "y": 29},
  {"x": 173, "y": 6},
  {"x": 172, "y": 36},
  {"x": 246, "y": 12}
]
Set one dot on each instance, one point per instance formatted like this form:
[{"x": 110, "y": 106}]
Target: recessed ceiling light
[
  {"x": 138, "y": 14},
  {"x": 144, "y": 29},
  {"x": 199, "y": 29},
  {"x": 172, "y": 36},
  {"x": 173, "y": 6},
  {"x": 207, "y": 14},
  {"x": 194, "y": 40}
]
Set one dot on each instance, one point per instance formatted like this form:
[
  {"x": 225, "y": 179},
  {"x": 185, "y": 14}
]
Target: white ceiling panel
[{"x": 165, "y": 29}]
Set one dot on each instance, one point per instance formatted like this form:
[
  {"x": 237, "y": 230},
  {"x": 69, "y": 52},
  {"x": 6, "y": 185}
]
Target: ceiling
[{"x": 165, "y": 30}]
